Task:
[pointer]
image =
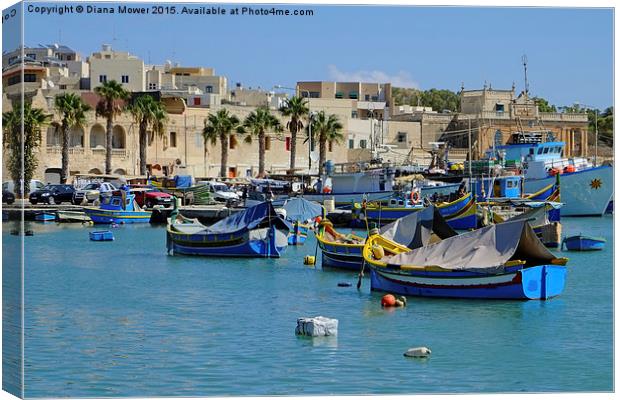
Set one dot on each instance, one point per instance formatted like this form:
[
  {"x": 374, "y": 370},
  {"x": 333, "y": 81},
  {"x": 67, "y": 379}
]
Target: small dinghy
[
  {"x": 101, "y": 236},
  {"x": 45, "y": 217},
  {"x": 583, "y": 243}
]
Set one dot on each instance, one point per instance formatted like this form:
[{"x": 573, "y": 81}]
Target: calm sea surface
[{"x": 124, "y": 319}]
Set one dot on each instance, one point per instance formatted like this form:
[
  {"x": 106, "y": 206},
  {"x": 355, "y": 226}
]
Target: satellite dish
[
  {"x": 50, "y": 84},
  {"x": 314, "y": 156}
]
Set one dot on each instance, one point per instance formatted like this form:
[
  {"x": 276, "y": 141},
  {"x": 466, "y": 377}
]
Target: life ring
[{"x": 414, "y": 196}]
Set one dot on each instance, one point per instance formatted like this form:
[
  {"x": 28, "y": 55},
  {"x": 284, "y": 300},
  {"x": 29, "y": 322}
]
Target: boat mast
[{"x": 527, "y": 89}]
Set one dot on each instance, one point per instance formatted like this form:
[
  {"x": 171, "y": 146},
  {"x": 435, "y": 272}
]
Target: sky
[{"x": 569, "y": 50}]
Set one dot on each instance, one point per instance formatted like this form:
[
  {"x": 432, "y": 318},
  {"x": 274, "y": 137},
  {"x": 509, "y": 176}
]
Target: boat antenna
[{"x": 524, "y": 60}]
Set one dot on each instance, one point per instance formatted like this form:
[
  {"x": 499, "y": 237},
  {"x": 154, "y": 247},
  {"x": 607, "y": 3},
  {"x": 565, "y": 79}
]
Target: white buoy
[
  {"x": 418, "y": 352},
  {"x": 316, "y": 326}
]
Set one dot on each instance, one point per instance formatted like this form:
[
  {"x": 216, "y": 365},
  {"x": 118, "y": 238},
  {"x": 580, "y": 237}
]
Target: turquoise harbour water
[{"x": 124, "y": 319}]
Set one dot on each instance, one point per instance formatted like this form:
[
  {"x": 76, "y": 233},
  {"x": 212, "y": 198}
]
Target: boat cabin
[
  {"x": 504, "y": 186},
  {"x": 115, "y": 202}
]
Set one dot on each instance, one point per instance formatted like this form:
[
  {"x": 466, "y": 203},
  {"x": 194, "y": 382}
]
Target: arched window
[{"x": 118, "y": 137}]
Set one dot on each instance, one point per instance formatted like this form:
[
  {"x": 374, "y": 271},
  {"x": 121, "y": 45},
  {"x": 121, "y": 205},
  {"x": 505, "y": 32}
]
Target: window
[
  {"x": 402, "y": 137},
  {"x": 540, "y": 150},
  {"x": 232, "y": 144},
  {"x": 354, "y": 114},
  {"x": 32, "y": 55},
  {"x": 353, "y": 95},
  {"x": 108, "y": 56},
  {"x": 546, "y": 150},
  {"x": 363, "y": 144},
  {"x": 315, "y": 95},
  {"x": 152, "y": 86},
  {"x": 14, "y": 79},
  {"x": 196, "y": 101},
  {"x": 287, "y": 144},
  {"x": 351, "y": 143},
  {"x": 339, "y": 95},
  {"x": 12, "y": 59},
  {"x": 68, "y": 58},
  {"x": 103, "y": 78},
  {"x": 30, "y": 78},
  {"x": 367, "y": 97},
  {"x": 267, "y": 143},
  {"x": 173, "y": 139},
  {"x": 209, "y": 89},
  {"x": 532, "y": 151},
  {"x": 499, "y": 108},
  {"x": 63, "y": 87},
  {"x": 330, "y": 146},
  {"x": 510, "y": 184},
  {"x": 125, "y": 78},
  {"x": 375, "y": 98}
]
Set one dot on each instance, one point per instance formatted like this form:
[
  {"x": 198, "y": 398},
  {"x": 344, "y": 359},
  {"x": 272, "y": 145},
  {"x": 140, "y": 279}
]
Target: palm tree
[
  {"x": 108, "y": 107},
  {"x": 296, "y": 108},
  {"x": 21, "y": 159},
  {"x": 148, "y": 112},
  {"x": 72, "y": 109},
  {"x": 221, "y": 125},
  {"x": 258, "y": 123},
  {"x": 326, "y": 129}
]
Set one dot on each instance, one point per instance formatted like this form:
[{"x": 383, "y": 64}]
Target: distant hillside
[{"x": 438, "y": 99}]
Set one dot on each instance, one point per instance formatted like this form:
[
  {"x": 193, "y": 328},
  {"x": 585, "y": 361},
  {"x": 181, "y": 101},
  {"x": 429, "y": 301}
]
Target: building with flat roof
[{"x": 109, "y": 64}]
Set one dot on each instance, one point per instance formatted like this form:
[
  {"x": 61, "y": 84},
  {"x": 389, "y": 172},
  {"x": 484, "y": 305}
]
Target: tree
[
  {"x": 257, "y": 124},
  {"x": 543, "y": 105},
  {"x": 326, "y": 129},
  {"x": 21, "y": 159},
  {"x": 148, "y": 113},
  {"x": 111, "y": 95},
  {"x": 221, "y": 125},
  {"x": 72, "y": 110},
  {"x": 296, "y": 108}
]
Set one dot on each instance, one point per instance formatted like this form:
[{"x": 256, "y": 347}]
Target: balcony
[{"x": 122, "y": 153}]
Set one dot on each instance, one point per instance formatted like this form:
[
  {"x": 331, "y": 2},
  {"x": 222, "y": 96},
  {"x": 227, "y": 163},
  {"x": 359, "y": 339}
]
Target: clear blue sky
[{"x": 569, "y": 51}]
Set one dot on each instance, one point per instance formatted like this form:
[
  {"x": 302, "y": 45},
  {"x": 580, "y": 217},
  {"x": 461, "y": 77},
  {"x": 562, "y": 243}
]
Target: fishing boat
[
  {"x": 255, "y": 232},
  {"x": 460, "y": 213},
  {"x": 344, "y": 251},
  {"x": 503, "y": 261},
  {"x": 540, "y": 214},
  {"x": 101, "y": 236},
  {"x": 352, "y": 184},
  {"x": 119, "y": 208},
  {"x": 583, "y": 243},
  {"x": 299, "y": 212},
  {"x": 72, "y": 216},
  {"x": 586, "y": 189},
  {"x": 44, "y": 217}
]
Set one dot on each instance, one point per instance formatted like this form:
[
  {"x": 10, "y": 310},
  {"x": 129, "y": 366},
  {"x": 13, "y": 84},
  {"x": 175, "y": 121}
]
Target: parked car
[
  {"x": 221, "y": 192},
  {"x": 92, "y": 191},
  {"x": 148, "y": 196},
  {"x": 52, "y": 194},
  {"x": 8, "y": 197},
  {"x": 34, "y": 186}
]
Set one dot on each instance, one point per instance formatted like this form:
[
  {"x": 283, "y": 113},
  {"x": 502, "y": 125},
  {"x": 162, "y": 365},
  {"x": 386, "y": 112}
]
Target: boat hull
[
  {"x": 346, "y": 200},
  {"x": 101, "y": 216},
  {"x": 581, "y": 243},
  {"x": 584, "y": 193},
  {"x": 298, "y": 235},
  {"x": 539, "y": 282},
  {"x": 342, "y": 258},
  {"x": 269, "y": 243}
]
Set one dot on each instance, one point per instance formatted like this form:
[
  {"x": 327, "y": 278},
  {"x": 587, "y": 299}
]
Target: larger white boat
[
  {"x": 346, "y": 188},
  {"x": 585, "y": 190}
]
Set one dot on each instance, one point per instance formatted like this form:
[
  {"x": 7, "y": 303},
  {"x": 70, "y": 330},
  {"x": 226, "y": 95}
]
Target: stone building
[{"x": 495, "y": 115}]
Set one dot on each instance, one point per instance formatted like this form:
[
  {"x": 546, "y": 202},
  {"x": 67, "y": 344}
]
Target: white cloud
[{"x": 401, "y": 79}]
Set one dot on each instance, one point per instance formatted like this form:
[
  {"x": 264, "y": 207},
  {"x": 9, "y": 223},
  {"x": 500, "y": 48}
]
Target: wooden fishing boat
[
  {"x": 344, "y": 251},
  {"x": 299, "y": 212},
  {"x": 583, "y": 243},
  {"x": 255, "y": 232},
  {"x": 120, "y": 208},
  {"x": 459, "y": 213},
  {"x": 101, "y": 236},
  {"x": 503, "y": 261}
]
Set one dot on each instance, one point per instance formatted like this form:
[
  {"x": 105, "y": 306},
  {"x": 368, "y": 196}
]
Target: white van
[{"x": 34, "y": 186}]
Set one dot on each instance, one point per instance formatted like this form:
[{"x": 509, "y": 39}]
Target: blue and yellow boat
[
  {"x": 299, "y": 212},
  {"x": 120, "y": 208},
  {"x": 255, "y": 232},
  {"x": 459, "y": 213}
]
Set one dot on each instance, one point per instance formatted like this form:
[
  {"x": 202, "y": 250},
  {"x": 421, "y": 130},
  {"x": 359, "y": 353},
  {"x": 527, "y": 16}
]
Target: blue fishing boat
[
  {"x": 504, "y": 261},
  {"x": 583, "y": 243},
  {"x": 255, "y": 232},
  {"x": 299, "y": 212},
  {"x": 344, "y": 251},
  {"x": 101, "y": 236},
  {"x": 119, "y": 208},
  {"x": 44, "y": 217}
]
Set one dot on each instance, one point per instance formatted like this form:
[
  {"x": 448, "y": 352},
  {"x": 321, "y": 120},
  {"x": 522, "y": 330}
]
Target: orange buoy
[
  {"x": 388, "y": 301},
  {"x": 569, "y": 168}
]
